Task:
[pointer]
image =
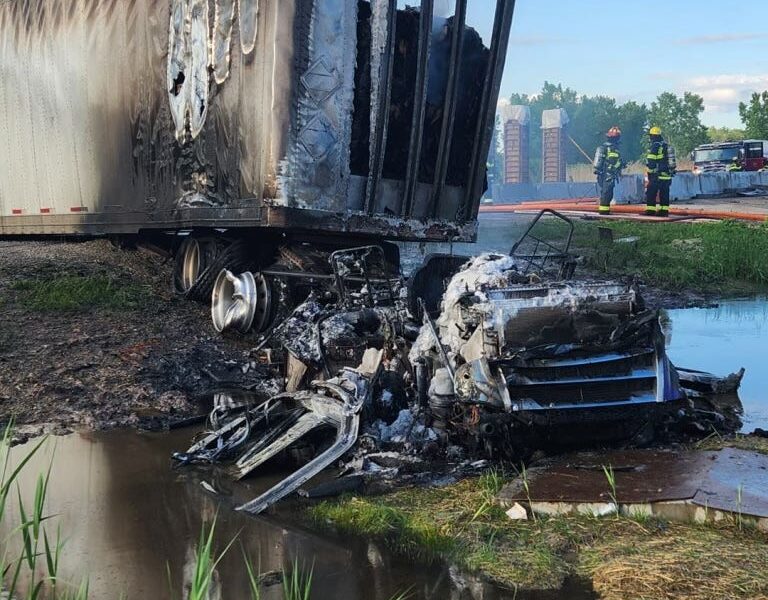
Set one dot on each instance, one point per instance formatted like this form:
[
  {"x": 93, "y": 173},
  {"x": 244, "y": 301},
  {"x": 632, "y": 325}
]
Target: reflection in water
[
  {"x": 722, "y": 340},
  {"x": 496, "y": 233},
  {"x": 126, "y": 515}
]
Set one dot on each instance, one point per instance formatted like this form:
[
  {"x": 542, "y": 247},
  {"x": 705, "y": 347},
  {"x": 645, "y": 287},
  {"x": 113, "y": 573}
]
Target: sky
[{"x": 636, "y": 50}]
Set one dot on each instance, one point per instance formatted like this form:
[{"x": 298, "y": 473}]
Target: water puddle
[
  {"x": 723, "y": 339},
  {"x": 495, "y": 233},
  {"x": 126, "y": 515}
]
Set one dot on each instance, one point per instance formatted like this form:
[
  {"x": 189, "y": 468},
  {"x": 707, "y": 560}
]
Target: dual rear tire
[{"x": 200, "y": 259}]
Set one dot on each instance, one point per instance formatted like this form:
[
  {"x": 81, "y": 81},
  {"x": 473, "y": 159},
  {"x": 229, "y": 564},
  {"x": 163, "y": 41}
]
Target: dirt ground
[{"x": 105, "y": 367}]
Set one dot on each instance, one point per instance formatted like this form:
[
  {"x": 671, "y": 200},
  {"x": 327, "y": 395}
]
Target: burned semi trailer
[{"x": 254, "y": 120}]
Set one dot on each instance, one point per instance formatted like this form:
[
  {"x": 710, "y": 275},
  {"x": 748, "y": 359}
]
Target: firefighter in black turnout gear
[
  {"x": 660, "y": 166},
  {"x": 608, "y": 166}
]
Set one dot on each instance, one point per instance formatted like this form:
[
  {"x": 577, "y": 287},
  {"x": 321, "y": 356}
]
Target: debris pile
[{"x": 511, "y": 361}]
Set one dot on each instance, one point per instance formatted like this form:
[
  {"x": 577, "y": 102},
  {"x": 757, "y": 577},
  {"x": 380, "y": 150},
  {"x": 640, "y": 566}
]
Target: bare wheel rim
[{"x": 190, "y": 269}]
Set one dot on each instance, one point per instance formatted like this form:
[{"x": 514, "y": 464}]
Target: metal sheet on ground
[
  {"x": 736, "y": 481},
  {"x": 730, "y": 479}
]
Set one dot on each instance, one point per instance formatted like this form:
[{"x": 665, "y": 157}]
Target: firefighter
[
  {"x": 608, "y": 166},
  {"x": 660, "y": 167},
  {"x": 734, "y": 165}
]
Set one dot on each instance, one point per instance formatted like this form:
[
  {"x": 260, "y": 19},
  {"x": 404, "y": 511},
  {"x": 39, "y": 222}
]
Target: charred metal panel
[
  {"x": 122, "y": 116},
  {"x": 315, "y": 173},
  {"x": 248, "y": 16},
  {"x": 221, "y": 39}
]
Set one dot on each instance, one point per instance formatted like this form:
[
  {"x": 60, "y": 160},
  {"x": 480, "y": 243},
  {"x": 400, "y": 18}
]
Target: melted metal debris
[
  {"x": 222, "y": 39},
  {"x": 187, "y": 70},
  {"x": 248, "y": 13},
  {"x": 512, "y": 362}
]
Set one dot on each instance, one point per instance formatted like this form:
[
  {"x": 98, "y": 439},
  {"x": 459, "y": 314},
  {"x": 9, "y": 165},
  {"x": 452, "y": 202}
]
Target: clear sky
[{"x": 636, "y": 50}]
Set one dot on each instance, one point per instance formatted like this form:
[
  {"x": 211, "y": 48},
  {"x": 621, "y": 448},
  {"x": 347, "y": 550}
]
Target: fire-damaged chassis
[{"x": 512, "y": 357}]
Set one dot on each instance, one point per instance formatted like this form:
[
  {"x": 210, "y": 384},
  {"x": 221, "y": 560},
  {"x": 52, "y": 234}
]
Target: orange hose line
[
  {"x": 628, "y": 209},
  {"x": 581, "y": 200}
]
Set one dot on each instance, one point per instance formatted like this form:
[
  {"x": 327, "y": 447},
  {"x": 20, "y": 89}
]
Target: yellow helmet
[{"x": 655, "y": 130}]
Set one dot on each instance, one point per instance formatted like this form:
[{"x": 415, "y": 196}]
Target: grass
[
  {"x": 68, "y": 293},
  {"x": 610, "y": 477},
  {"x": 622, "y": 556},
  {"x": 742, "y": 442},
  {"x": 725, "y": 256},
  {"x": 206, "y": 562},
  {"x": 33, "y": 571},
  {"x": 297, "y": 585}
]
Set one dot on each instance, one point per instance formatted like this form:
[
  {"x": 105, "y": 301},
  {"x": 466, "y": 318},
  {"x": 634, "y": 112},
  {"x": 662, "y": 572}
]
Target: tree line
[{"x": 679, "y": 117}]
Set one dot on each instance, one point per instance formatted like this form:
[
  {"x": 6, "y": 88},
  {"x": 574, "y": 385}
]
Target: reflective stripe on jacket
[{"x": 657, "y": 161}]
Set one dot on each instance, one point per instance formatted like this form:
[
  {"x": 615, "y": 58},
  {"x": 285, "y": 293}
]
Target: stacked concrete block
[
  {"x": 515, "y": 122},
  {"x": 554, "y": 142}
]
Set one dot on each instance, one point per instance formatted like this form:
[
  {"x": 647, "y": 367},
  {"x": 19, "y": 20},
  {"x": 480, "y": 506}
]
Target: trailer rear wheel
[
  {"x": 199, "y": 261},
  {"x": 192, "y": 258}
]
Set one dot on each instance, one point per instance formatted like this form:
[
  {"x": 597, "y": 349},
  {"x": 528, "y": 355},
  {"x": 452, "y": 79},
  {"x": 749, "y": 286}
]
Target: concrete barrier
[
  {"x": 630, "y": 189},
  {"x": 513, "y": 193}
]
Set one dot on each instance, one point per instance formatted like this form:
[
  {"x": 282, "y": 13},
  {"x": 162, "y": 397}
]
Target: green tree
[
  {"x": 680, "y": 120},
  {"x": 590, "y": 119},
  {"x": 755, "y": 116},
  {"x": 633, "y": 121},
  {"x": 725, "y": 134}
]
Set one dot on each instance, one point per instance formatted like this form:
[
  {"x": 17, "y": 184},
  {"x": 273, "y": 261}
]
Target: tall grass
[
  {"x": 610, "y": 477},
  {"x": 722, "y": 256},
  {"x": 297, "y": 585},
  {"x": 33, "y": 571},
  {"x": 206, "y": 562},
  {"x": 490, "y": 484}
]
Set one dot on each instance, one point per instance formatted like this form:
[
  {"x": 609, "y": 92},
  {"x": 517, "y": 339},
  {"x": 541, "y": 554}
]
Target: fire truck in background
[{"x": 752, "y": 155}]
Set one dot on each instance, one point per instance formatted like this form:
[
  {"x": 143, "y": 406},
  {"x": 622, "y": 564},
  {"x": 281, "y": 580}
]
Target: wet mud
[{"x": 98, "y": 368}]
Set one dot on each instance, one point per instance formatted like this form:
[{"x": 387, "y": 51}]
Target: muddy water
[
  {"x": 126, "y": 515},
  {"x": 721, "y": 340}
]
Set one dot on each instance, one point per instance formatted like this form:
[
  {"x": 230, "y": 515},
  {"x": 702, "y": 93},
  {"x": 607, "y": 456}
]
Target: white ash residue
[
  {"x": 479, "y": 274},
  {"x": 405, "y": 428}
]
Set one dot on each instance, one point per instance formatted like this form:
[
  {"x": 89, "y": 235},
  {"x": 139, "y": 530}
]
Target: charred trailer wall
[
  {"x": 304, "y": 115},
  {"x": 553, "y": 145}
]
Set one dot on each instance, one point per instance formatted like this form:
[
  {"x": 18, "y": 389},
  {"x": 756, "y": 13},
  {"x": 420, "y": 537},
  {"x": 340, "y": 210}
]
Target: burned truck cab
[{"x": 544, "y": 363}]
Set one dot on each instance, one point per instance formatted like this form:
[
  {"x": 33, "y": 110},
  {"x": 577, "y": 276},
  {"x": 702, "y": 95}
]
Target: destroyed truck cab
[
  {"x": 516, "y": 361},
  {"x": 511, "y": 356}
]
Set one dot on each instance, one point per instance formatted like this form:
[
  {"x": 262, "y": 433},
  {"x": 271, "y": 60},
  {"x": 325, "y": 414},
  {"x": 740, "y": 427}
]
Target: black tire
[
  {"x": 216, "y": 254},
  {"x": 232, "y": 257}
]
